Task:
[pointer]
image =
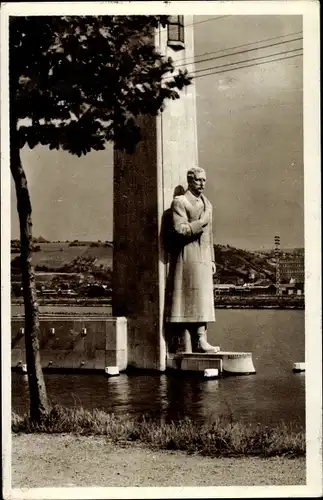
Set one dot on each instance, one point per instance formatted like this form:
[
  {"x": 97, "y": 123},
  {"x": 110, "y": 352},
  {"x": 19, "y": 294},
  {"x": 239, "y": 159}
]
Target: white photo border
[{"x": 309, "y": 10}]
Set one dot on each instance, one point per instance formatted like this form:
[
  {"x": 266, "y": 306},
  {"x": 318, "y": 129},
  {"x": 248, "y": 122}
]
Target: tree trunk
[{"x": 37, "y": 389}]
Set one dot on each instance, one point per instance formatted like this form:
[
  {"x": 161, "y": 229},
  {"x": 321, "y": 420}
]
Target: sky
[{"x": 250, "y": 142}]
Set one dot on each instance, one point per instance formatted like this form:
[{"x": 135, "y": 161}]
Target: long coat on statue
[{"x": 189, "y": 289}]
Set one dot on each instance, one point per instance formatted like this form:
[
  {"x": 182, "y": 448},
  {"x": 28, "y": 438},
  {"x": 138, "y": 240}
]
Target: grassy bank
[{"x": 219, "y": 438}]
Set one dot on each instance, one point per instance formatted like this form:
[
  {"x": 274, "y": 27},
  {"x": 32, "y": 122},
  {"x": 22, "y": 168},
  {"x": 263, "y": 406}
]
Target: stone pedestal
[
  {"x": 234, "y": 363},
  {"x": 144, "y": 186}
]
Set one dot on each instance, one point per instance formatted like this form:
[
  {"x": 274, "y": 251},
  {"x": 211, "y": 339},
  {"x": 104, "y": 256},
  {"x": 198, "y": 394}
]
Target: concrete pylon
[{"x": 144, "y": 186}]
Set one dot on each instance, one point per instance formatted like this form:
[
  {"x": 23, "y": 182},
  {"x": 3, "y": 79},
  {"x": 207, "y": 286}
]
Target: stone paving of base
[{"x": 40, "y": 460}]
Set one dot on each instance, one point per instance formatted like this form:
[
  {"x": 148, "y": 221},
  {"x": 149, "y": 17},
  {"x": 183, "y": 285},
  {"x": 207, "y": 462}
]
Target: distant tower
[{"x": 277, "y": 256}]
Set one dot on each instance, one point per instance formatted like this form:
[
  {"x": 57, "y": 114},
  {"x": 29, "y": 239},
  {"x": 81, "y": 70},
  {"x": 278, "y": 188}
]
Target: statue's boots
[
  {"x": 184, "y": 342},
  {"x": 203, "y": 345}
]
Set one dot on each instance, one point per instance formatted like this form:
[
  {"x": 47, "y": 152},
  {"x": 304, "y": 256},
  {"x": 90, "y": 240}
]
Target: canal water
[{"x": 272, "y": 395}]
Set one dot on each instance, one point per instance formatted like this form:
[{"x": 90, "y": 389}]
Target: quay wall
[{"x": 74, "y": 343}]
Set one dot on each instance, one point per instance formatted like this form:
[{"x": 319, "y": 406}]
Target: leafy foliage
[{"x": 82, "y": 81}]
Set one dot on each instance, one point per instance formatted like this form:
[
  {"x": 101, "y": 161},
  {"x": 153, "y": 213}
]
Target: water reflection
[
  {"x": 118, "y": 392},
  {"x": 163, "y": 398},
  {"x": 184, "y": 394},
  {"x": 170, "y": 397}
]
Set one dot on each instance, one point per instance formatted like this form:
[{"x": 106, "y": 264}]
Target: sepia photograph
[{"x": 161, "y": 251}]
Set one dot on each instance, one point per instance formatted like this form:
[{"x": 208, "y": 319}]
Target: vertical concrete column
[
  {"x": 144, "y": 186},
  {"x": 136, "y": 251}
]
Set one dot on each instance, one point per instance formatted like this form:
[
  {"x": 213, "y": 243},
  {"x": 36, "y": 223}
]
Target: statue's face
[{"x": 197, "y": 184}]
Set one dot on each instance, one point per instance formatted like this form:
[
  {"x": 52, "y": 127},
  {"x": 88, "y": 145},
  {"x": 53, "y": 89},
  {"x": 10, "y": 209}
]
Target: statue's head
[{"x": 196, "y": 178}]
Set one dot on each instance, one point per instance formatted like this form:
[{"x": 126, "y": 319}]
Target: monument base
[{"x": 233, "y": 363}]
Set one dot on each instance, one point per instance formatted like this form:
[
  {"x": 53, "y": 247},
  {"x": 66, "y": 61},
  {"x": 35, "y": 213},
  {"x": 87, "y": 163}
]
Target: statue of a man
[{"x": 189, "y": 293}]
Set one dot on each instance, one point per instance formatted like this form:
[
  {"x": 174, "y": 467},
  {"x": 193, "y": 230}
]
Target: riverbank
[
  {"x": 220, "y": 301},
  {"x": 219, "y": 438},
  {"x": 41, "y": 460},
  {"x": 260, "y": 302}
]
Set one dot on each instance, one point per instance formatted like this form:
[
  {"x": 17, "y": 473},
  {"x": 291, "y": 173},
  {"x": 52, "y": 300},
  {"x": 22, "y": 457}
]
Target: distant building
[
  {"x": 292, "y": 269},
  {"x": 248, "y": 289},
  {"x": 292, "y": 288},
  {"x": 224, "y": 288},
  {"x": 68, "y": 292}
]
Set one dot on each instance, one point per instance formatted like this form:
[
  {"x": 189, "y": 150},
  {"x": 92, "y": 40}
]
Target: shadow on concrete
[{"x": 170, "y": 244}]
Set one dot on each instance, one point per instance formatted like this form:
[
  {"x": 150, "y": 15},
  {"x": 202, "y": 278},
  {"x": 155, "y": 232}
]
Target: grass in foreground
[{"x": 219, "y": 438}]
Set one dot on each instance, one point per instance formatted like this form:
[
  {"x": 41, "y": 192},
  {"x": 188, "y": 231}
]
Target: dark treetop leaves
[{"x": 82, "y": 81}]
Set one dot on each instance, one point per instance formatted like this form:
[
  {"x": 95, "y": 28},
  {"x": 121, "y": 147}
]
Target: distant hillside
[
  {"x": 233, "y": 265},
  {"x": 53, "y": 256}
]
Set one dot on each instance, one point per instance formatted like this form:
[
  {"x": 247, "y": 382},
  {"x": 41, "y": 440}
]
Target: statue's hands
[
  {"x": 205, "y": 218},
  {"x": 213, "y": 268}
]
